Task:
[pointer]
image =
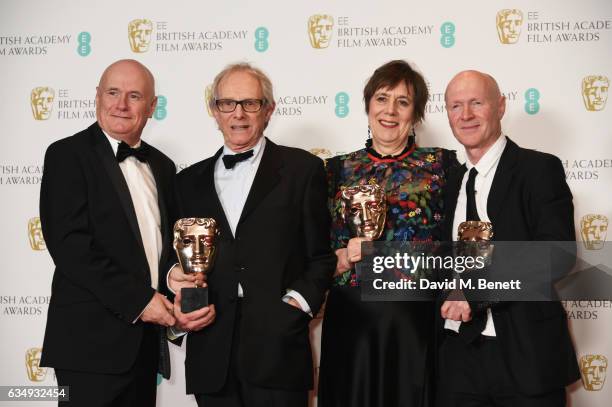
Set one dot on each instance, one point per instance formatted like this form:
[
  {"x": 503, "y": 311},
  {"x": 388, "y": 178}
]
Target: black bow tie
[
  {"x": 230, "y": 160},
  {"x": 124, "y": 151}
]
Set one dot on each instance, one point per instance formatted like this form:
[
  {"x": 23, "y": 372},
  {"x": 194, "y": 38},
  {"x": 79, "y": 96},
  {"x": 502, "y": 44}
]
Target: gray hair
[{"x": 264, "y": 81}]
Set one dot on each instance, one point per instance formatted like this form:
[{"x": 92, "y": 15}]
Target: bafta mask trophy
[
  {"x": 364, "y": 209},
  {"x": 475, "y": 239},
  {"x": 194, "y": 242}
]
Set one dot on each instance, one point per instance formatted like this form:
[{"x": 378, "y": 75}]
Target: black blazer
[
  {"x": 101, "y": 282},
  {"x": 281, "y": 242},
  {"x": 529, "y": 200}
]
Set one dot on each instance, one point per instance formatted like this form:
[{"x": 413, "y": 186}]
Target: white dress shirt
[
  {"x": 486, "y": 168},
  {"x": 143, "y": 191}
]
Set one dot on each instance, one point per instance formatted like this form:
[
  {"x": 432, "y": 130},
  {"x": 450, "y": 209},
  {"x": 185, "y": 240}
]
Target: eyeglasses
[{"x": 248, "y": 105}]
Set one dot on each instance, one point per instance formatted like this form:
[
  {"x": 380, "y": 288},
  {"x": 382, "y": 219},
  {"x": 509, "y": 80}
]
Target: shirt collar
[
  {"x": 257, "y": 149},
  {"x": 490, "y": 158},
  {"x": 115, "y": 143}
]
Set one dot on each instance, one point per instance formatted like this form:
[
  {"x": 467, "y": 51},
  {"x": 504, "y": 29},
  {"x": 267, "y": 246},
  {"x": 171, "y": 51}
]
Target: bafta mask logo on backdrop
[
  {"x": 509, "y": 23},
  {"x": 593, "y": 369},
  {"x": 139, "y": 34},
  {"x": 37, "y": 242},
  {"x": 32, "y": 362},
  {"x": 595, "y": 92},
  {"x": 320, "y": 29},
  {"x": 593, "y": 229},
  {"x": 208, "y": 98},
  {"x": 322, "y": 153},
  {"x": 41, "y": 100}
]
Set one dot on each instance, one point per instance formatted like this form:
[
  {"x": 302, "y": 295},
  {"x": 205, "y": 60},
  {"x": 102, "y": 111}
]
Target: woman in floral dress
[{"x": 380, "y": 354}]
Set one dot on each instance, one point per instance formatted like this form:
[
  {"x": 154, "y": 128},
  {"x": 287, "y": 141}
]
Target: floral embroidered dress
[
  {"x": 380, "y": 353},
  {"x": 412, "y": 183}
]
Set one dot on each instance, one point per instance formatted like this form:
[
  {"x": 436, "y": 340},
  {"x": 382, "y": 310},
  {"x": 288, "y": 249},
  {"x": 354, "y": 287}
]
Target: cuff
[
  {"x": 300, "y": 299},
  {"x": 168, "y": 279}
]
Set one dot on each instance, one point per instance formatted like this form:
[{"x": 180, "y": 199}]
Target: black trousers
[
  {"x": 475, "y": 375},
  {"x": 239, "y": 393},
  {"x": 137, "y": 387}
]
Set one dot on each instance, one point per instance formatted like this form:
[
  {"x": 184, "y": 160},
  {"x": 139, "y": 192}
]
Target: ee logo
[
  {"x": 342, "y": 100},
  {"x": 160, "y": 109},
  {"x": 532, "y": 97},
  {"x": 84, "y": 48},
  {"x": 448, "y": 34},
  {"x": 261, "y": 39}
]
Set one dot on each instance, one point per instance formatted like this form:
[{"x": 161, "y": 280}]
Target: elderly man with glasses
[{"x": 274, "y": 261}]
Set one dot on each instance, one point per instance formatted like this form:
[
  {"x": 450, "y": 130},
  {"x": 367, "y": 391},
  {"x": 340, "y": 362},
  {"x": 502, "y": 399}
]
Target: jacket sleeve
[{"x": 70, "y": 236}]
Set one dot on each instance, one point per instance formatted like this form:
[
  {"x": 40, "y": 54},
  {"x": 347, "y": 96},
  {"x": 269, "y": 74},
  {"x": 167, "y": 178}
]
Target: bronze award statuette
[
  {"x": 194, "y": 242},
  {"x": 477, "y": 236},
  {"x": 364, "y": 210}
]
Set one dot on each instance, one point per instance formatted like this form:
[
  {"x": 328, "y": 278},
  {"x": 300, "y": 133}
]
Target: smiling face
[
  {"x": 475, "y": 108},
  {"x": 125, "y": 100},
  {"x": 390, "y": 116},
  {"x": 241, "y": 130}
]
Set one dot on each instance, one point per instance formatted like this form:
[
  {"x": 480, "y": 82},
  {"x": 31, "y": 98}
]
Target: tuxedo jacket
[
  {"x": 281, "y": 243},
  {"x": 102, "y": 281},
  {"x": 529, "y": 200}
]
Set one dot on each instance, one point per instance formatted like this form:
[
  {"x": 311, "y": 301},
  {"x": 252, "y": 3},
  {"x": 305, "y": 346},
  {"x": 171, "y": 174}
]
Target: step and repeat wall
[{"x": 552, "y": 59}]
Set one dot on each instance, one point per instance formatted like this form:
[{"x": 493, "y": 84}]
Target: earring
[
  {"x": 368, "y": 142},
  {"x": 412, "y": 137}
]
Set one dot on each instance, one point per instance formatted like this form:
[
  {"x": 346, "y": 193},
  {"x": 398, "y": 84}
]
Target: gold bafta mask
[
  {"x": 320, "y": 28},
  {"x": 475, "y": 231},
  {"x": 475, "y": 238},
  {"x": 208, "y": 99},
  {"x": 595, "y": 92},
  {"x": 139, "y": 34},
  {"x": 364, "y": 209},
  {"x": 32, "y": 361},
  {"x": 509, "y": 22},
  {"x": 593, "y": 229},
  {"x": 41, "y": 100},
  {"x": 194, "y": 242},
  {"x": 593, "y": 369},
  {"x": 37, "y": 242}
]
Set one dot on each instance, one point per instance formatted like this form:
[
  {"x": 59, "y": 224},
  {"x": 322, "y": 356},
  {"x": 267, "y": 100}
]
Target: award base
[{"x": 193, "y": 298}]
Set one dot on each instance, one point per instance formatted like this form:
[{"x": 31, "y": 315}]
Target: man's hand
[
  {"x": 178, "y": 279},
  {"x": 456, "y": 311},
  {"x": 354, "y": 248},
  {"x": 194, "y": 320},
  {"x": 158, "y": 311},
  {"x": 343, "y": 265}
]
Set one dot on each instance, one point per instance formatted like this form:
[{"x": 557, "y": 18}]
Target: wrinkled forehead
[{"x": 240, "y": 85}]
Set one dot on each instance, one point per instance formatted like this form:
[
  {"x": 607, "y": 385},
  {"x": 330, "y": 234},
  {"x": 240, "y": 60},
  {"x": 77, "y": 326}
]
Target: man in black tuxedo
[
  {"x": 274, "y": 261},
  {"x": 105, "y": 200},
  {"x": 507, "y": 353}
]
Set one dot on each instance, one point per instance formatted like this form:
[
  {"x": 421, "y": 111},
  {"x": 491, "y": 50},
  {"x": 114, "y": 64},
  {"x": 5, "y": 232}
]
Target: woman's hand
[{"x": 349, "y": 256}]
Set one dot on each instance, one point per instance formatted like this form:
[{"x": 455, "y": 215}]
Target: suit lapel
[
  {"x": 265, "y": 180},
  {"x": 109, "y": 162},
  {"x": 156, "y": 166},
  {"x": 453, "y": 185},
  {"x": 501, "y": 181}
]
